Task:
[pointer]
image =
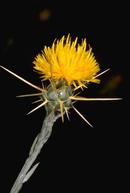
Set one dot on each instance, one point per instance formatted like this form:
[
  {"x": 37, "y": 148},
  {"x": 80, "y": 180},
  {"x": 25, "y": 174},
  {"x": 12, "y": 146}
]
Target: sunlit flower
[{"x": 68, "y": 60}]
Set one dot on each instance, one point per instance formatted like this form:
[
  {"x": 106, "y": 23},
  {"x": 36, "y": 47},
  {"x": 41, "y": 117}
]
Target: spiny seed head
[{"x": 57, "y": 93}]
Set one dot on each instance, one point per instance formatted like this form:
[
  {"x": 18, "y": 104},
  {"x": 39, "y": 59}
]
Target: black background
[{"x": 76, "y": 157}]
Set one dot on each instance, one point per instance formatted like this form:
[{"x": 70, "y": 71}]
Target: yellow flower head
[
  {"x": 66, "y": 63},
  {"x": 68, "y": 60}
]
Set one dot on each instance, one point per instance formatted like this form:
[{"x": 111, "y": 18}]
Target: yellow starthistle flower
[
  {"x": 68, "y": 60},
  {"x": 68, "y": 66}
]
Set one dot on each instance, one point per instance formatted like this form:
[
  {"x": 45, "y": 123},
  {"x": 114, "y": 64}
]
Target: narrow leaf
[{"x": 29, "y": 174}]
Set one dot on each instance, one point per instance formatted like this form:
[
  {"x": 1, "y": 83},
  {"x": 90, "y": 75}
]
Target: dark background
[{"x": 76, "y": 157}]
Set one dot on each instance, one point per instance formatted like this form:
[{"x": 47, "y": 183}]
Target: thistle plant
[{"x": 69, "y": 66}]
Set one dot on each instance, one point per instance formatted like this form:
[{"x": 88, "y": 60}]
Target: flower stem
[{"x": 37, "y": 145}]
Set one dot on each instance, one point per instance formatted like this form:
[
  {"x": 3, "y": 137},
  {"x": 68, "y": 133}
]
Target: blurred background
[{"x": 76, "y": 157}]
